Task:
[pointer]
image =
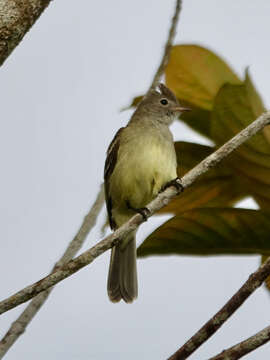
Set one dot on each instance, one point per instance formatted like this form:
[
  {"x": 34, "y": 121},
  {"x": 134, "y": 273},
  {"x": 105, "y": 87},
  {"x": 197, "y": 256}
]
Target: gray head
[{"x": 162, "y": 104}]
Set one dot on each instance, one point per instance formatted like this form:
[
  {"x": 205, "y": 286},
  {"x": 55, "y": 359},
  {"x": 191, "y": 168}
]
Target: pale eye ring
[{"x": 164, "y": 102}]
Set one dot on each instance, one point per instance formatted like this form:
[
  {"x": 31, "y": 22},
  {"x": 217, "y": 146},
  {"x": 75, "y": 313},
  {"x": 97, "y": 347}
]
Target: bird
[{"x": 141, "y": 161}]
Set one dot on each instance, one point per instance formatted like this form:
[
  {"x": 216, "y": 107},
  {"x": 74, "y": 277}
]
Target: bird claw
[
  {"x": 145, "y": 212},
  {"x": 176, "y": 183}
]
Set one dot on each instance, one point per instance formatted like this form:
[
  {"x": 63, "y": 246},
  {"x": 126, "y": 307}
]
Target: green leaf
[
  {"x": 218, "y": 187},
  {"x": 256, "y": 103},
  {"x": 232, "y": 112},
  {"x": 195, "y": 74},
  {"x": 258, "y": 108},
  {"x": 254, "y": 97},
  {"x": 211, "y": 231}
]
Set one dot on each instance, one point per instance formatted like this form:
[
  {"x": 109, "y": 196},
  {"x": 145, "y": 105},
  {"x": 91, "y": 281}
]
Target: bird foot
[
  {"x": 145, "y": 212},
  {"x": 176, "y": 183}
]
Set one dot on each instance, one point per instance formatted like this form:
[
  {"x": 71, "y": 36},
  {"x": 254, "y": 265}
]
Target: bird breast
[{"x": 145, "y": 163}]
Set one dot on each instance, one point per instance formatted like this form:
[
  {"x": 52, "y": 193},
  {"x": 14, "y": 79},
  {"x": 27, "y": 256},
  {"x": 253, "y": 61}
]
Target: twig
[
  {"x": 16, "y": 18},
  {"x": 19, "y": 325},
  {"x": 244, "y": 347},
  {"x": 168, "y": 46},
  {"x": 160, "y": 201}
]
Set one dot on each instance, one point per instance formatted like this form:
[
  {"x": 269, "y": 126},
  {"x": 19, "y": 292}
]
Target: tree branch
[
  {"x": 168, "y": 46},
  {"x": 244, "y": 347},
  {"x": 16, "y": 18},
  {"x": 19, "y": 325},
  {"x": 160, "y": 201},
  {"x": 208, "y": 329}
]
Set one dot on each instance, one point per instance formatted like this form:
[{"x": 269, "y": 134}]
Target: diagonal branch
[
  {"x": 244, "y": 347},
  {"x": 16, "y": 18},
  {"x": 208, "y": 329},
  {"x": 168, "y": 46},
  {"x": 160, "y": 201},
  {"x": 19, "y": 325}
]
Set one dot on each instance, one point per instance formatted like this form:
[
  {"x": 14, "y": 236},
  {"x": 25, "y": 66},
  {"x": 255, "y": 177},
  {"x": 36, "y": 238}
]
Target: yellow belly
[{"x": 141, "y": 171}]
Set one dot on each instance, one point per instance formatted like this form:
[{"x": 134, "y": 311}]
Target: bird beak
[{"x": 180, "y": 109}]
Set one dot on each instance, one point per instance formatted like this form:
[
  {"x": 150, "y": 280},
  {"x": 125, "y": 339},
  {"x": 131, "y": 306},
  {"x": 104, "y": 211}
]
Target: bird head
[{"x": 161, "y": 104}]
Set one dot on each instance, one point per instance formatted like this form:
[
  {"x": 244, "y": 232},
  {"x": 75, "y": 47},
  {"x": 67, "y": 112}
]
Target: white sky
[{"x": 61, "y": 91}]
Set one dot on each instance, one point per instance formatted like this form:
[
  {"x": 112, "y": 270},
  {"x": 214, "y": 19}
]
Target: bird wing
[{"x": 110, "y": 163}]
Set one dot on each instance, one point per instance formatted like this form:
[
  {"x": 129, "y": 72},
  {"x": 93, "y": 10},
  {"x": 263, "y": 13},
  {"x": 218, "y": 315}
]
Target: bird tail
[{"x": 122, "y": 279}]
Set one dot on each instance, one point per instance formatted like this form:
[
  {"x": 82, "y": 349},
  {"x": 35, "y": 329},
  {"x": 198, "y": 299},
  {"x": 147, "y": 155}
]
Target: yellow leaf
[
  {"x": 232, "y": 112},
  {"x": 195, "y": 74}
]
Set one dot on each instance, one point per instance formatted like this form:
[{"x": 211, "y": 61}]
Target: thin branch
[
  {"x": 19, "y": 325},
  {"x": 244, "y": 347},
  {"x": 16, "y": 18},
  {"x": 160, "y": 201},
  {"x": 168, "y": 46}
]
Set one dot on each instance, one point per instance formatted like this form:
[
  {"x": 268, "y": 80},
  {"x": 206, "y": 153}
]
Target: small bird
[{"x": 141, "y": 161}]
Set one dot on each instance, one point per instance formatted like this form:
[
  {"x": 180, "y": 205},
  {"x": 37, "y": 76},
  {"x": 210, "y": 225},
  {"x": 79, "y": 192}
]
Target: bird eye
[{"x": 164, "y": 101}]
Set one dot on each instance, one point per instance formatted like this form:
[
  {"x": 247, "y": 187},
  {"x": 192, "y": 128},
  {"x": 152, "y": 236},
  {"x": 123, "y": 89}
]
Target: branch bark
[
  {"x": 161, "y": 200},
  {"x": 19, "y": 325},
  {"x": 16, "y": 18},
  {"x": 244, "y": 347}
]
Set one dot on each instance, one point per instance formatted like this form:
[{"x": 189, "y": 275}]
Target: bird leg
[
  {"x": 145, "y": 212},
  {"x": 176, "y": 183}
]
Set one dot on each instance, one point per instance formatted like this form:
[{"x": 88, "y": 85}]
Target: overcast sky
[{"x": 61, "y": 91}]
